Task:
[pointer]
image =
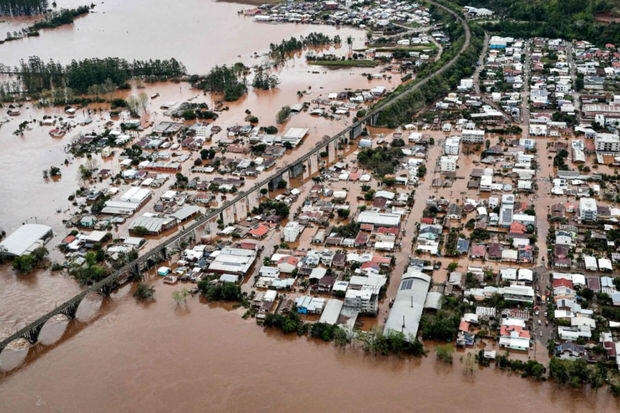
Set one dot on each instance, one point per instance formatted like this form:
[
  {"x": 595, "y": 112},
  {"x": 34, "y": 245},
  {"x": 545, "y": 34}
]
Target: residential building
[
  {"x": 588, "y": 210},
  {"x": 472, "y": 136},
  {"x": 448, "y": 163},
  {"x": 607, "y": 142},
  {"x": 514, "y": 337},
  {"x": 452, "y": 145},
  {"x": 363, "y": 300},
  {"x": 291, "y": 231}
]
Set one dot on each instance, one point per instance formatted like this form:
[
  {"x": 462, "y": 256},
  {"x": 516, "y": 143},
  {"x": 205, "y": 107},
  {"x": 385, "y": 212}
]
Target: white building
[
  {"x": 466, "y": 84},
  {"x": 486, "y": 183},
  {"x": 232, "y": 260},
  {"x": 26, "y": 239},
  {"x": 291, "y": 231},
  {"x": 379, "y": 219},
  {"x": 587, "y": 209},
  {"x": 607, "y": 142},
  {"x": 452, "y": 145},
  {"x": 448, "y": 163},
  {"x": 408, "y": 304},
  {"x": 362, "y": 300},
  {"x": 363, "y": 293},
  {"x": 472, "y": 136}
]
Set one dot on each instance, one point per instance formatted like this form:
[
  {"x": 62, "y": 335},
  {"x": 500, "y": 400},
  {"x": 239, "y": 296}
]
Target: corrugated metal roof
[{"x": 24, "y": 238}]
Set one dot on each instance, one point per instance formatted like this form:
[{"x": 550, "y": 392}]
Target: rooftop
[{"x": 26, "y": 238}]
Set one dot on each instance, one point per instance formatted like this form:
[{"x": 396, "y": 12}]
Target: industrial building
[
  {"x": 128, "y": 203},
  {"x": 232, "y": 260},
  {"x": 378, "y": 219},
  {"x": 408, "y": 304},
  {"x": 26, "y": 238}
]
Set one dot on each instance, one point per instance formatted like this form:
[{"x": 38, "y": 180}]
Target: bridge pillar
[
  {"x": 273, "y": 183},
  {"x": 296, "y": 170},
  {"x": 331, "y": 151},
  {"x": 242, "y": 210},
  {"x": 135, "y": 274},
  {"x": 108, "y": 288},
  {"x": 235, "y": 213},
  {"x": 70, "y": 310},
  {"x": 355, "y": 131},
  {"x": 32, "y": 334},
  {"x": 372, "y": 120},
  {"x": 247, "y": 204}
]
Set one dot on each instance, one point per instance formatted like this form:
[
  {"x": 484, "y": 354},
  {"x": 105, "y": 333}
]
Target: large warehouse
[
  {"x": 26, "y": 238},
  {"x": 408, "y": 304},
  {"x": 230, "y": 260}
]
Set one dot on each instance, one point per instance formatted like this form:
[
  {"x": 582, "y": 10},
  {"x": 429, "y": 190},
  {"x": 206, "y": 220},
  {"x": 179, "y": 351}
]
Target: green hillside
[{"x": 569, "y": 19}]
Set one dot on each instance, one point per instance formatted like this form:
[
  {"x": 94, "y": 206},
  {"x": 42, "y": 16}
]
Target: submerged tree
[
  {"x": 265, "y": 81},
  {"x": 180, "y": 296},
  {"x": 144, "y": 292}
]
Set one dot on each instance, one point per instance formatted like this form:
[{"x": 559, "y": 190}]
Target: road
[{"x": 525, "y": 93}]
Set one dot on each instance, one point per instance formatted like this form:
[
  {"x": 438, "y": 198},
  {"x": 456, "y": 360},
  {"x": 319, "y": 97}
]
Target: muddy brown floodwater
[{"x": 158, "y": 357}]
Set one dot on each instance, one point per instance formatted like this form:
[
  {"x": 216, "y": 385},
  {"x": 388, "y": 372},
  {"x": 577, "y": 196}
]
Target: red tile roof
[
  {"x": 562, "y": 282},
  {"x": 247, "y": 245},
  {"x": 464, "y": 326},
  {"x": 505, "y": 331},
  {"x": 378, "y": 259},
  {"x": 68, "y": 240},
  {"x": 289, "y": 259},
  {"x": 385, "y": 230},
  {"x": 260, "y": 231},
  {"x": 518, "y": 228}
]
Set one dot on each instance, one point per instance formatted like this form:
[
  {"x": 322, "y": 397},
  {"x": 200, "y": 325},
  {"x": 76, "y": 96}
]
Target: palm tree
[{"x": 350, "y": 44}]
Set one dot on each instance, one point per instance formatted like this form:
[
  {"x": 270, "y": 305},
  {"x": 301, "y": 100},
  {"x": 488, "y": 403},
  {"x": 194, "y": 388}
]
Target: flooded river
[
  {"x": 201, "y": 358},
  {"x": 159, "y": 357}
]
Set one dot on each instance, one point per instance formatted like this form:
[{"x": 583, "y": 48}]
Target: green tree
[
  {"x": 180, "y": 296},
  {"x": 144, "y": 292},
  {"x": 445, "y": 353},
  {"x": 343, "y": 213},
  {"x": 25, "y": 263},
  {"x": 283, "y": 114}
]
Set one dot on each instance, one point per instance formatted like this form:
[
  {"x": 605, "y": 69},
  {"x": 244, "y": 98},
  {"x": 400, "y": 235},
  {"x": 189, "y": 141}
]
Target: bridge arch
[{"x": 14, "y": 354}]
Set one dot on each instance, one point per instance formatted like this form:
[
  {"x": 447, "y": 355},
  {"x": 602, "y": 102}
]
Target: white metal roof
[
  {"x": 331, "y": 312},
  {"x": 25, "y": 238},
  {"x": 408, "y": 304}
]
